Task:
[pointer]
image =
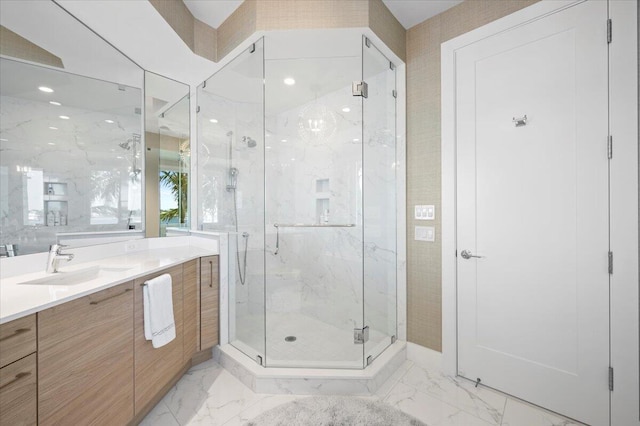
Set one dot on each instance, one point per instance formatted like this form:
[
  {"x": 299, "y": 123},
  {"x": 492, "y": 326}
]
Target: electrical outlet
[
  {"x": 425, "y": 233},
  {"x": 424, "y": 212}
]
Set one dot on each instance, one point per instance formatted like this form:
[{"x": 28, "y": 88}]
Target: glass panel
[
  {"x": 313, "y": 158},
  {"x": 379, "y": 181},
  {"x": 231, "y": 186},
  {"x": 167, "y": 157}
]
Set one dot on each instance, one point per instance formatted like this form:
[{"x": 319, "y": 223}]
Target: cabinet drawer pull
[
  {"x": 17, "y": 332},
  {"x": 211, "y": 276},
  {"x": 110, "y": 297},
  {"x": 17, "y": 378}
]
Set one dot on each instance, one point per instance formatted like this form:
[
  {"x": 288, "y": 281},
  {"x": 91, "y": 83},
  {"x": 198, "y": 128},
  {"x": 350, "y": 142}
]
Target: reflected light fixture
[
  {"x": 64, "y": 117},
  {"x": 346, "y": 109},
  {"x": 109, "y": 121},
  {"x": 283, "y": 140},
  {"x": 55, "y": 103},
  {"x": 213, "y": 120},
  {"x": 51, "y": 143},
  {"x": 53, "y": 128},
  {"x": 4, "y": 140},
  {"x": 45, "y": 89},
  {"x": 289, "y": 81}
]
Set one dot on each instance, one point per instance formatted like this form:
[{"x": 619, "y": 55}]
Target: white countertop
[{"x": 18, "y": 300}]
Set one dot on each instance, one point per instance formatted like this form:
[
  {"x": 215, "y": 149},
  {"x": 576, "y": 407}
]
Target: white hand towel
[{"x": 159, "y": 324}]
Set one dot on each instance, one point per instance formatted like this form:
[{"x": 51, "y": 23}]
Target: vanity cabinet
[
  {"x": 18, "y": 385},
  {"x": 85, "y": 359},
  {"x": 209, "y": 301},
  {"x": 157, "y": 368}
]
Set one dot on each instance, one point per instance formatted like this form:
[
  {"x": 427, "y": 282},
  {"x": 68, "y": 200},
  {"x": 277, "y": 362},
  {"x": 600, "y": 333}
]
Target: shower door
[{"x": 313, "y": 196}]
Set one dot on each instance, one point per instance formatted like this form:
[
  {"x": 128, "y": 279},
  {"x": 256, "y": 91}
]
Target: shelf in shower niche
[
  {"x": 56, "y": 189},
  {"x": 322, "y": 185}
]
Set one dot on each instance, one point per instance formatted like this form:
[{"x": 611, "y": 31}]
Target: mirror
[
  {"x": 71, "y": 133},
  {"x": 167, "y": 156}
]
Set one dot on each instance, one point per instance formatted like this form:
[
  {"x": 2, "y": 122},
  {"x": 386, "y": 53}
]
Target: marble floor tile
[
  {"x": 266, "y": 403},
  {"x": 384, "y": 389},
  {"x": 518, "y": 413},
  {"x": 431, "y": 411},
  {"x": 480, "y": 402},
  {"x": 208, "y": 396},
  {"x": 160, "y": 416}
]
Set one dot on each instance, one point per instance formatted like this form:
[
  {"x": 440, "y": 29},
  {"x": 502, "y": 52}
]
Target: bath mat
[{"x": 334, "y": 411}]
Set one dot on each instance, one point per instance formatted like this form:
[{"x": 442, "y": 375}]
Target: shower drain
[{"x": 290, "y": 339}]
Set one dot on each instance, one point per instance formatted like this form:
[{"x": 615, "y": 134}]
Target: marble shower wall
[{"x": 75, "y": 166}]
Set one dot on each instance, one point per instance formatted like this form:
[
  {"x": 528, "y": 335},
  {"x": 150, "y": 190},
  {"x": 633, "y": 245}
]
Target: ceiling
[{"x": 408, "y": 12}]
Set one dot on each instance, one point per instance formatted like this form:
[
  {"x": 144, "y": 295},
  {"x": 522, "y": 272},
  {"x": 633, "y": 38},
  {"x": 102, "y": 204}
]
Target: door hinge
[
  {"x": 610, "y": 147},
  {"x": 610, "y": 262},
  {"x": 369, "y": 359},
  {"x": 367, "y": 42},
  {"x": 252, "y": 48},
  {"x": 197, "y": 109},
  {"x": 204, "y": 84},
  {"x": 394, "y": 93},
  {"x": 609, "y": 31},
  {"x": 611, "y": 378},
  {"x": 360, "y": 88},
  {"x": 361, "y": 335},
  {"x": 391, "y": 66}
]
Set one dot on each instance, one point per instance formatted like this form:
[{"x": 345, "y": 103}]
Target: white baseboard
[{"x": 424, "y": 357}]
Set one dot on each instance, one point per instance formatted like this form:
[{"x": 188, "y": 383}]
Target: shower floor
[{"x": 317, "y": 344}]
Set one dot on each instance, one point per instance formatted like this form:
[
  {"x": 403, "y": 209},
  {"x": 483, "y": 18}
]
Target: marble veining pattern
[{"x": 210, "y": 395}]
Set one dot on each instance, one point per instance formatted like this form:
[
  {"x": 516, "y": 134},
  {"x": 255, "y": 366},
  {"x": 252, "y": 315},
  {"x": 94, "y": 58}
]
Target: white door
[{"x": 532, "y": 200}]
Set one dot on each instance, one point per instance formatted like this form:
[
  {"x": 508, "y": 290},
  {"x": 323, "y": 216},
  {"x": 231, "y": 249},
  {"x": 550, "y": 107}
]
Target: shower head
[{"x": 251, "y": 143}]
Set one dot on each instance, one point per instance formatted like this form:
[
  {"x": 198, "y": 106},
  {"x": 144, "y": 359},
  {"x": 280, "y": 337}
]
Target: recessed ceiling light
[
  {"x": 45, "y": 89},
  {"x": 213, "y": 120},
  {"x": 64, "y": 117},
  {"x": 109, "y": 121},
  {"x": 267, "y": 147},
  {"x": 55, "y": 103},
  {"x": 51, "y": 143},
  {"x": 346, "y": 109},
  {"x": 53, "y": 128},
  {"x": 119, "y": 157},
  {"x": 356, "y": 139},
  {"x": 289, "y": 81},
  {"x": 293, "y": 159},
  {"x": 283, "y": 140}
]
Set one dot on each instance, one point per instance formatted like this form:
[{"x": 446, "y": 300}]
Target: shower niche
[{"x": 299, "y": 170}]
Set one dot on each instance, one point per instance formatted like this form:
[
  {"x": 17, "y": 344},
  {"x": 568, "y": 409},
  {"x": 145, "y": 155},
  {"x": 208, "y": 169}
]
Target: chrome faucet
[{"x": 55, "y": 256}]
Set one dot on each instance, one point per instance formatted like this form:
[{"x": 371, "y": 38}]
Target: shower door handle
[{"x": 466, "y": 254}]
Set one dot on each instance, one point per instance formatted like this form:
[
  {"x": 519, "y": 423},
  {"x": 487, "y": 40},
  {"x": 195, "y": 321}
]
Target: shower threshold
[{"x": 312, "y": 381}]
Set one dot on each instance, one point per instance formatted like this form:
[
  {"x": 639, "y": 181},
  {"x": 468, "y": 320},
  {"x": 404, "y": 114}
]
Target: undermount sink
[{"x": 74, "y": 277}]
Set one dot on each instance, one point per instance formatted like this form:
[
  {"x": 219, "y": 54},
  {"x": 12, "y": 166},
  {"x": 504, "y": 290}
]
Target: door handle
[{"x": 466, "y": 254}]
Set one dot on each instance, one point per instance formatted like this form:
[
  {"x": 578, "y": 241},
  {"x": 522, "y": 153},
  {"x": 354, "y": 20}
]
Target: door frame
[{"x": 624, "y": 238}]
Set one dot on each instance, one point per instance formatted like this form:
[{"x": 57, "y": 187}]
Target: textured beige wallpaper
[
  {"x": 237, "y": 27},
  {"x": 16, "y": 46},
  {"x": 424, "y": 272},
  {"x": 177, "y": 15}
]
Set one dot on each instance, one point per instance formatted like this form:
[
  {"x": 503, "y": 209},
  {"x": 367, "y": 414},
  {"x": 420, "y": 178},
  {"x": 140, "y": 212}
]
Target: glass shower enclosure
[{"x": 297, "y": 163}]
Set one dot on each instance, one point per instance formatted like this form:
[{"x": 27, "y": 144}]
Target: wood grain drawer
[
  {"x": 17, "y": 339},
  {"x": 85, "y": 360},
  {"x": 18, "y": 392}
]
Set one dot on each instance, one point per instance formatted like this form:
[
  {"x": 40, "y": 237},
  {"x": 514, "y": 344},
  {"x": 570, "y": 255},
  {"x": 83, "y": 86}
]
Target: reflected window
[{"x": 106, "y": 197}]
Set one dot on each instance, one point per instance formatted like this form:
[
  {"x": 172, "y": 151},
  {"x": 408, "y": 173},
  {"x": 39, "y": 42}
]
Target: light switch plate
[
  {"x": 425, "y": 233},
  {"x": 424, "y": 212}
]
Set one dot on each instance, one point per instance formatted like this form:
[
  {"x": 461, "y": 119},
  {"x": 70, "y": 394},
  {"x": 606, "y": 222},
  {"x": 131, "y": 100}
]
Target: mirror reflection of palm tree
[
  {"x": 177, "y": 184},
  {"x": 106, "y": 189}
]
